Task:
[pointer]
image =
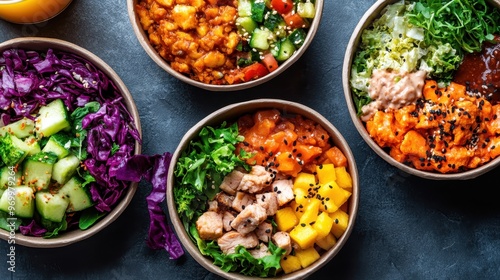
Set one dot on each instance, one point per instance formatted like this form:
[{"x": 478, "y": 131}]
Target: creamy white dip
[{"x": 392, "y": 90}]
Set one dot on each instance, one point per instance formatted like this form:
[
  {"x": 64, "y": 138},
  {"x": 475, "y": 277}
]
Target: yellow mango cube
[
  {"x": 325, "y": 173},
  {"x": 332, "y": 191},
  {"x": 290, "y": 264},
  {"x": 301, "y": 196},
  {"x": 310, "y": 212},
  {"x": 307, "y": 256},
  {"x": 340, "y": 222},
  {"x": 304, "y": 235},
  {"x": 298, "y": 208},
  {"x": 286, "y": 218},
  {"x": 326, "y": 242},
  {"x": 326, "y": 193},
  {"x": 344, "y": 179},
  {"x": 323, "y": 224},
  {"x": 304, "y": 181}
]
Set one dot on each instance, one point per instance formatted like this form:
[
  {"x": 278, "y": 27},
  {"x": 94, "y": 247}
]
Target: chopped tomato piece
[
  {"x": 293, "y": 20},
  {"x": 255, "y": 71},
  {"x": 270, "y": 62},
  {"x": 282, "y": 6}
]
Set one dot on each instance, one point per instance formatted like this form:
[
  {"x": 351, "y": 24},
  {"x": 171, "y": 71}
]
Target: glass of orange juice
[{"x": 31, "y": 11}]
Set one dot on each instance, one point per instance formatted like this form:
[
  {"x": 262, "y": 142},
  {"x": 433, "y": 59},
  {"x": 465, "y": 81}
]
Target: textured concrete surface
[{"x": 407, "y": 228}]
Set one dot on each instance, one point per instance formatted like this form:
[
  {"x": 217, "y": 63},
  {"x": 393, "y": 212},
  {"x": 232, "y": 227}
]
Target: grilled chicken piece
[
  {"x": 260, "y": 251},
  {"x": 257, "y": 180},
  {"x": 227, "y": 218},
  {"x": 242, "y": 200},
  {"x": 249, "y": 218},
  {"x": 230, "y": 240},
  {"x": 264, "y": 232},
  {"x": 269, "y": 201},
  {"x": 284, "y": 190},
  {"x": 282, "y": 240},
  {"x": 224, "y": 201},
  {"x": 231, "y": 182},
  {"x": 209, "y": 225}
]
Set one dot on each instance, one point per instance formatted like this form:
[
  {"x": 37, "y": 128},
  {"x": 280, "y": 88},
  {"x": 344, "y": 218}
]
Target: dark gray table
[{"x": 407, "y": 227}]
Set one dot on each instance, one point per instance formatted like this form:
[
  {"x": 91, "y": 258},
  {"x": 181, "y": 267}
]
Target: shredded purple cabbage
[
  {"x": 30, "y": 79},
  {"x": 154, "y": 169},
  {"x": 32, "y": 229}
]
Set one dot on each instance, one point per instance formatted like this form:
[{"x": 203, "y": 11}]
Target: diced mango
[
  {"x": 290, "y": 264},
  {"x": 301, "y": 196},
  {"x": 325, "y": 173},
  {"x": 332, "y": 192},
  {"x": 286, "y": 219},
  {"x": 336, "y": 156},
  {"x": 307, "y": 256},
  {"x": 344, "y": 179},
  {"x": 310, "y": 212},
  {"x": 326, "y": 242},
  {"x": 304, "y": 235},
  {"x": 326, "y": 194},
  {"x": 340, "y": 222},
  {"x": 304, "y": 181},
  {"x": 323, "y": 225},
  {"x": 298, "y": 208}
]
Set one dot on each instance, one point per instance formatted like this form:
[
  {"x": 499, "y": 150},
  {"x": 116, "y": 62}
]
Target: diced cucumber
[
  {"x": 37, "y": 170},
  {"x": 65, "y": 168},
  {"x": 50, "y": 206},
  {"x": 79, "y": 197},
  {"x": 298, "y": 37},
  {"x": 52, "y": 118},
  {"x": 286, "y": 50},
  {"x": 33, "y": 145},
  {"x": 258, "y": 10},
  {"x": 18, "y": 201},
  {"x": 58, "y": 144},
  {"x": 259, "y": 39},
  {"x": 12, "y": 149},
  {"x": 246, "y": 25},
  {"x": 21, "y": 128},
  {"x": 244, "y": 8},
  {"x": 306, "y": 9},
  {"x": 9, "y": 174}
]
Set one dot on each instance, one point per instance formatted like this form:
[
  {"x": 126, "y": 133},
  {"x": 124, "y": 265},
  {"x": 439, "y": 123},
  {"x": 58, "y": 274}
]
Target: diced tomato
[
  {"x": 282, "y": 6},
  {"x": 293, "y": 20},
  {"x": 270, "y": 62},
  {"x": 255, "y": 71}
]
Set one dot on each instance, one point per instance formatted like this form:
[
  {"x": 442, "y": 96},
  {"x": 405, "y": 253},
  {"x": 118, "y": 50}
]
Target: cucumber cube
[
  {"x": 58, "y": 144},
  {"x": 52, "y": 118},
  {"x": 306, "y": 10},
  {"x": 51, "y": 207},
  {"x": 79, "y": 197},
  {"x": 21, "y": 128},
  {"x": 12, "y": 149},
  {"x": 7, "y": 174},
  {"x": 37, "y": 170},
  {"x": 246, "y": 25},
  {"x": 244, "y": 8},
  {"x": 65, "y": 168},
  {"x": 259, "y": 39},
  {"x": 18, "y": 201}
]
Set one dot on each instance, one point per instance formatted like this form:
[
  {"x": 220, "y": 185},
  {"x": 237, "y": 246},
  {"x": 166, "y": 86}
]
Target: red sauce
[{"x": 480, "y": 72}]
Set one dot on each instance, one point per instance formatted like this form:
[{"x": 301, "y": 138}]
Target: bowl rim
[
  {"x": 73, "y": 236},
  {"x": 372, "y": 13},
  {"x": 233, "y": 111},
  {"x": 141, "y": 36}
]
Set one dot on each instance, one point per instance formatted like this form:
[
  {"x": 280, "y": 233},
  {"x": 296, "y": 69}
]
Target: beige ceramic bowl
[
  {"x": 66, "y": 238},
  {"x": 144, "y": 41},
  {"x": 370, "y": 15},
  {"x": 232, "y": 112}
]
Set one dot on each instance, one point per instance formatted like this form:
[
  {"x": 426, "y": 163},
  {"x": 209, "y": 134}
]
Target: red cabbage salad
[{"x": 98, "y": 133}]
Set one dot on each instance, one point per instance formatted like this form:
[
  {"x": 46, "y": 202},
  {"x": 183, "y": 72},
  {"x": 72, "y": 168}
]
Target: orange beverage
[{"x": 31, "y": 11}]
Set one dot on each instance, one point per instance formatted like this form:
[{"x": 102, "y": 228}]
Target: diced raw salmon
[
  {"x": 242, "y": 200},
  {"x": 230, "y": 240},
  {"x": 209, "y": 225},
  {"x": 269, "y": 201},
  {"x": 231, "y": 182},
  {"x": 249, "y": 218}
]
